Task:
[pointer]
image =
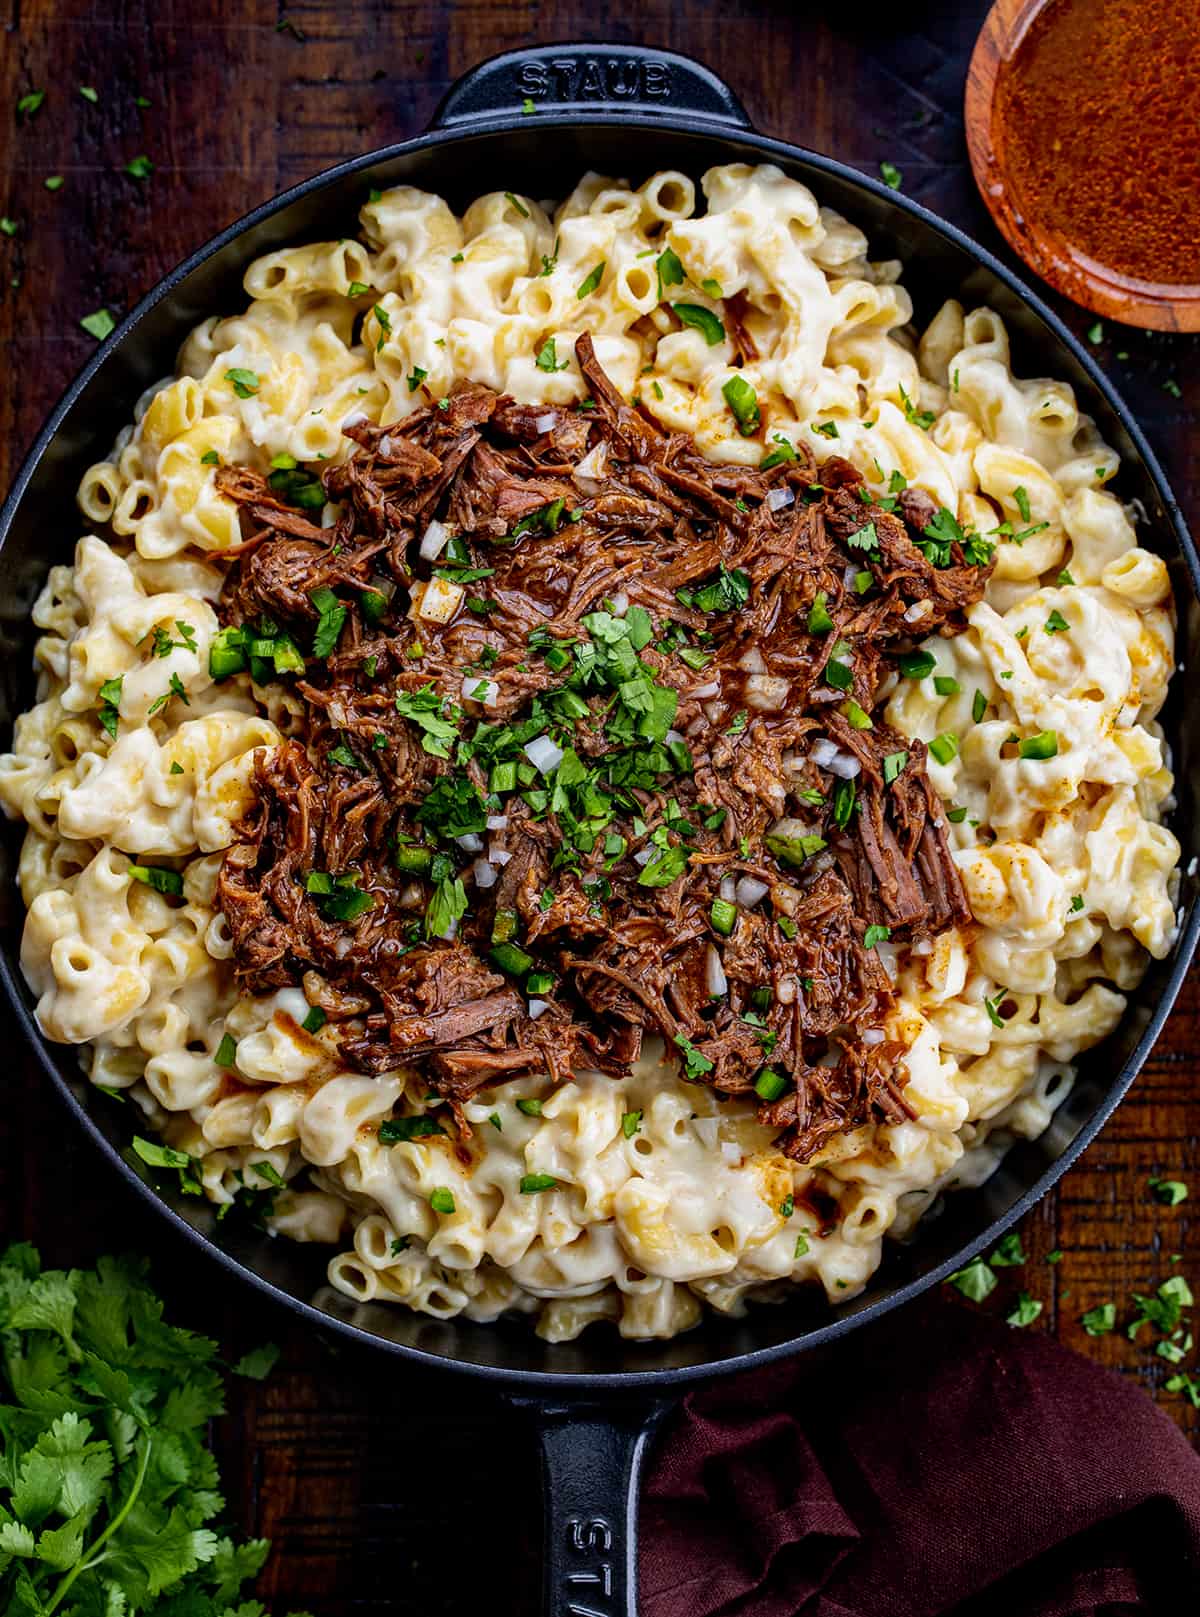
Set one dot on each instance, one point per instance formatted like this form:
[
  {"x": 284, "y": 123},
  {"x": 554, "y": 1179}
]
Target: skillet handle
[
  {"x": 600, "y": 79},
  {"x": 592, "y": 1457}
]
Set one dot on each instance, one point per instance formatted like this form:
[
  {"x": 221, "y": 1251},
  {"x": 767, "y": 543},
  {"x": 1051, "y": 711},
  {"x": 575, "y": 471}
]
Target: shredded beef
[{"x": 510, "y": 842}]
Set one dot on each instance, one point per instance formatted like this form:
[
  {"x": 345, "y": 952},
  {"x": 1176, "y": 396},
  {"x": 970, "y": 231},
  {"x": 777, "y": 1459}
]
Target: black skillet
[{"x": 623, "y": 111}]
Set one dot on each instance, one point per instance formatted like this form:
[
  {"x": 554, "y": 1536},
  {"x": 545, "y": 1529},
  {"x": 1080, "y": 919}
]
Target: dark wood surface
[{"x": 365, "y": 1480}]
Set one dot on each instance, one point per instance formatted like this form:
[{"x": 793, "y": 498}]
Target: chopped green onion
[
  {"x": 532, "y": 1184},
  {"x": 511, "y": 959},
  {"x": 819, "y": 620},
  {"x": 743, "y": 401},
  {"x": 702, "y": 320},
  {"x": 724, "y": 916},
  {"x": 770, "y": 1085}
]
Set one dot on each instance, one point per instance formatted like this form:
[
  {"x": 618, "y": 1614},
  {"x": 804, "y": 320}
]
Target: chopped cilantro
[
  {"x": 1025, "y": 1312},
  {"x": 1101, "y": 1320},
  {"x": 330, "y": 620},
  {"x": 591, "y": 281},
  {"x": 546, "y": 358},
  {"x": 976, "y": 1281},
  {"x": 243, "y": 382},
  {"x": 1009, "y": 1253},
  {"x": 99, "y": 325},
  {"x": 695, "y": 1064},
  {"x": 1168, "y": 1191}
]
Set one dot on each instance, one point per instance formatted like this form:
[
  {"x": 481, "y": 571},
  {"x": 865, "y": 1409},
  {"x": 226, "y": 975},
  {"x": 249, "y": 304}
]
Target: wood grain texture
[{"x": 362, "y": 1475}]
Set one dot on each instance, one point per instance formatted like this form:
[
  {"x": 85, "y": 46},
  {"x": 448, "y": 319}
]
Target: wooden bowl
[{"x": 1162, "y": 306}]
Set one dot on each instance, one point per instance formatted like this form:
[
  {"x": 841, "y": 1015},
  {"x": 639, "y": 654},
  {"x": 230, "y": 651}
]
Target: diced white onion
[
  {"x": 874, "y": 1035},
  {"x": 777, "y": 498},
  {"x": 787, "y": 898},
  {"x": 437, "y": 601},
  {"x": 497, "y": 855},
  {"x": 785, "y": 990},
  {"x": 887, "y": 954},
  {"x": 589, "y": 472},
  {"x": 672, "y": 736},
  {"x": 790, "y": 828},
  {"x": 713, "y": 688},
  {"x": 412, "y": 897},
  {"x": 451, "y": 932},
  {"x": 644, "y": 855},
  {"x": 620, "y": 604},
  {"x": 543, "y": 754},
  {"x": 925, "y": 947},
  {"x": 547, "y": 422},
  {"x": 731, "y": 1151},
  {"x": 752, "y": 661},
  {"x": 750, "y": 891},
  {"x": 538, "y": 1007},
  {"x": 715, "y": 980},
  {"x": 337, "y": 712},
  {"x": 713, "y": 711},
  {"x": 433, "y": 540},
  {"x": 767, "y": 692},
  {"x": 385, "y": 446},
  {"x": 849, "y": 574},
  {"x": 706, "y": 1128},
  {"x": 917, "y": 611},
  {"x": 469, "y": 842},
  {"x": 497, "y": 822},
  {"x": 728, "y": 889},
  {"x": 484, "y": 691},
  {"x": 826, "y": 756},
  {"x": 354, "y": 419},
  {"x": 485, "y": 875}
]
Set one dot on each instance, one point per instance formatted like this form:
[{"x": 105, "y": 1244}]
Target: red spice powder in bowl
[{"x": 1083, "y": 123}]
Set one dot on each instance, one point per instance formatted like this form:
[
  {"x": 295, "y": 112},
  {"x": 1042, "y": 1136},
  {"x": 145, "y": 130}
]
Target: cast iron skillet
[{"x": 624, "y": 111}]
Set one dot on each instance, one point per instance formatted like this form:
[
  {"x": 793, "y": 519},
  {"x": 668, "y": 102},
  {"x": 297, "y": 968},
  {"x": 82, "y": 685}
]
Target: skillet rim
[{"x": 567, "y": 1383}]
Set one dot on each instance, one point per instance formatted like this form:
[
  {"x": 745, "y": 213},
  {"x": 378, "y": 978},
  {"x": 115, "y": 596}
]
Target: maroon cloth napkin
[{"x": 941, "y": 1462}]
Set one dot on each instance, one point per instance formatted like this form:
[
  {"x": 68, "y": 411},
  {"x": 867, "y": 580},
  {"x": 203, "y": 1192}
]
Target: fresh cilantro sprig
[{"x": 107, "y": 1487}]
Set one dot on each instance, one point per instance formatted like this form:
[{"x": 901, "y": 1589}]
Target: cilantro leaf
[
  {"x": 424, "y": 709},
  {"x": 330, "y": 621},
  {"x": 976, "y": 1281},
  {"x": 695, "y": 1063},
  {"x": 258, "y": 1363}
]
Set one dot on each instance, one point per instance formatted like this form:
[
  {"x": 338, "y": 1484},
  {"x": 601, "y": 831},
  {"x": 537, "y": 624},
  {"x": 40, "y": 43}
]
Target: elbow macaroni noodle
[{"x": 1069, "y": 871}]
